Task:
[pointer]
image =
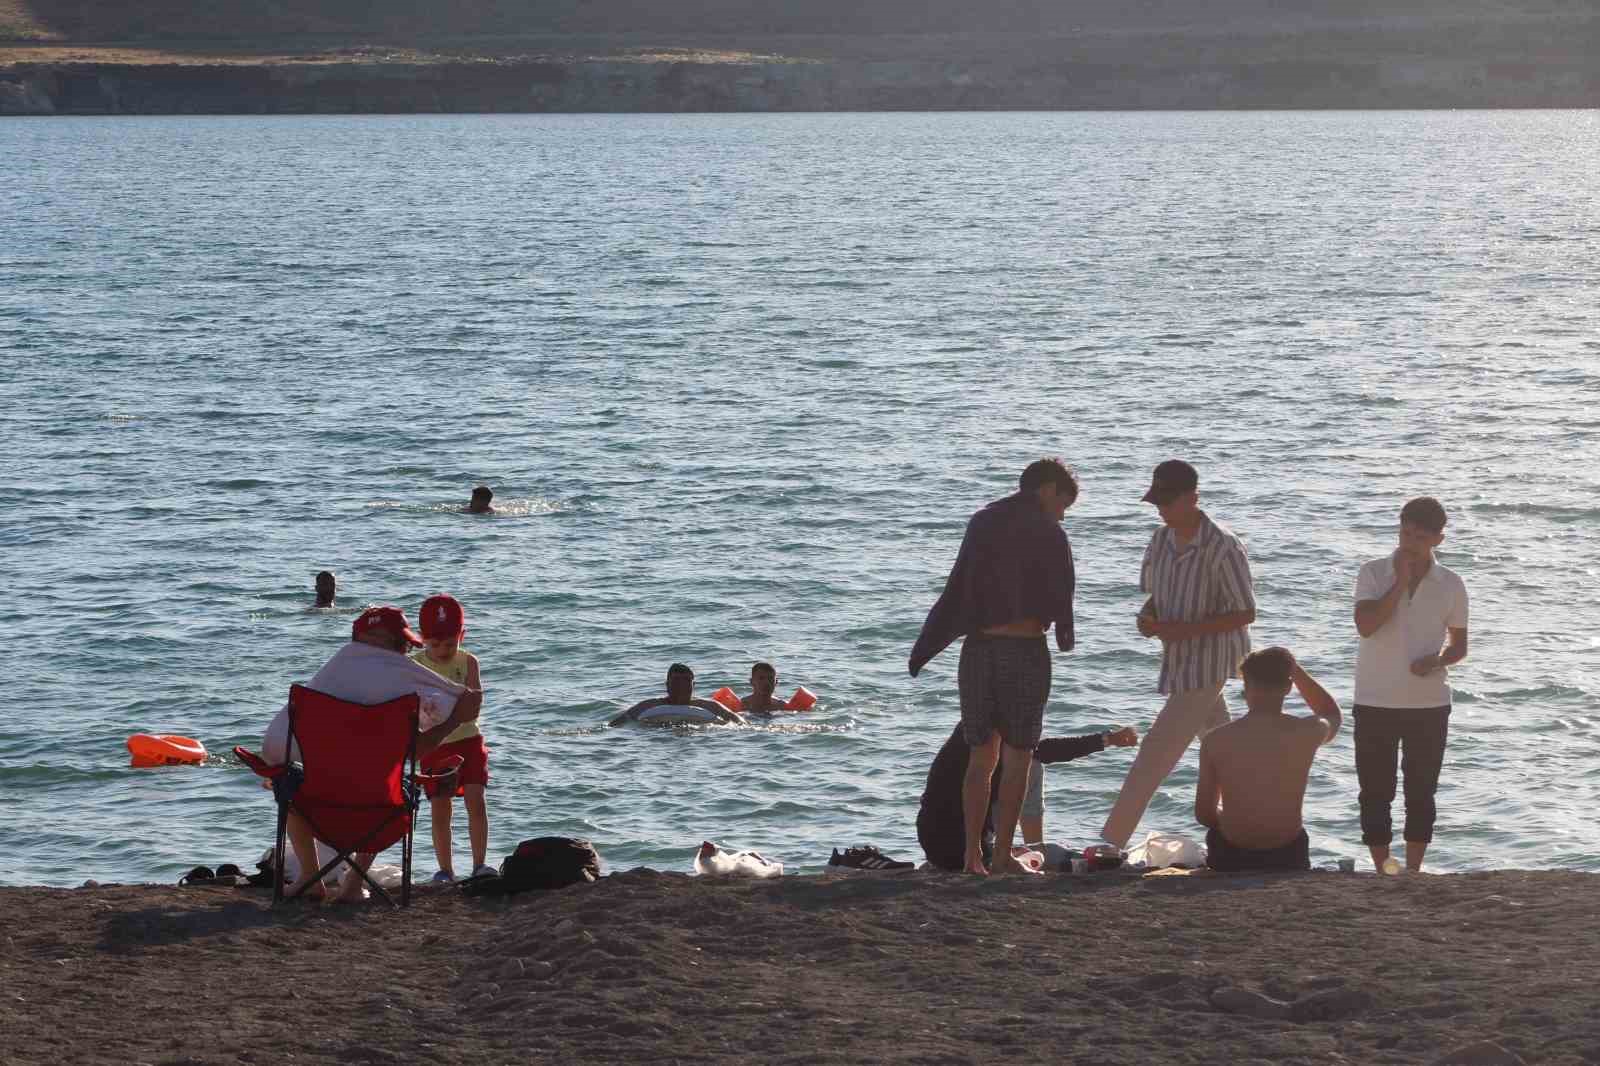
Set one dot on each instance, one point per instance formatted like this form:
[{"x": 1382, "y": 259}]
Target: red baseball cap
[
  {"x": 386, "y": 619},
  {"x": 441, "y": 617}
]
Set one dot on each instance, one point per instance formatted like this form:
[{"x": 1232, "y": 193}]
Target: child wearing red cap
[{"x": 443, "y": 625}]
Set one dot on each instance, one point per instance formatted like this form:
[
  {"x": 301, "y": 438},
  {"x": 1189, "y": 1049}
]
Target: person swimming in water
[
  {"x": 482, "y": 501},
  {"x": 763, "y": 680},
  {"x": 680, "y": 693},
  {"x": 327, "y": 587}
]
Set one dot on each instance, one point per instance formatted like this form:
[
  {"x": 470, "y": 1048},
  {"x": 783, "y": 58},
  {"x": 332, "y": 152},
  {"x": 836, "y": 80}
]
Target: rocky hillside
[{"x": 164, "y": 56}]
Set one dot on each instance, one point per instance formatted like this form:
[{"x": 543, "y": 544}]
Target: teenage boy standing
[
  {"x": 1013, "y": 578},
  {"x": 1201, "y": 606},
  {"x": 1411, "y": 612}
]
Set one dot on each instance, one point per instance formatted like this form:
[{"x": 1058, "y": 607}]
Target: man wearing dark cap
[
  {"x": 680, "y": 693},
  {"x": 1201, "y": 606},
  {"x": 1013, "y": 578},
  {"x": 373, "y": 668}
]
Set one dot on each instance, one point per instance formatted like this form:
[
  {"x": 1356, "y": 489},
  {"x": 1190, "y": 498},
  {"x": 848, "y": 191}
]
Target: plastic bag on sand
[
  {"x": 712, "y": 861},
  {"x": 1028, "y": 857},
  {"x": 1167, "y": 849}
]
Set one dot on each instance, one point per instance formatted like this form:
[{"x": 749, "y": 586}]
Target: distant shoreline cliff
[
  {"x": 775, "y": 55},
  {"x": 601, "y": 86}
]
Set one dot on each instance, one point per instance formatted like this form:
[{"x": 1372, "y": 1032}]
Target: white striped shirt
[{"x": 1210, "y": 576}]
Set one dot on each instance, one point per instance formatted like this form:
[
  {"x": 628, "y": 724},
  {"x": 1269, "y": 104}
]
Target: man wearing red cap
[{"x": 373, "y": 668}]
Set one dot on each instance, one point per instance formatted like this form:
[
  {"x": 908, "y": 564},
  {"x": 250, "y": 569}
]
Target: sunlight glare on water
[{"x": 738, "y": 381}]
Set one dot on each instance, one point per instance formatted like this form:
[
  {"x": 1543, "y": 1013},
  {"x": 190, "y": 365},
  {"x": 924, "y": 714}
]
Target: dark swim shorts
[
  {"x": 1224, "y": 856},
  {"x": 1004, "y": 684}
]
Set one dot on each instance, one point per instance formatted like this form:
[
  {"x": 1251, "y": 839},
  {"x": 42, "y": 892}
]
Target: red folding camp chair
[{"x": 356, "y": 783}]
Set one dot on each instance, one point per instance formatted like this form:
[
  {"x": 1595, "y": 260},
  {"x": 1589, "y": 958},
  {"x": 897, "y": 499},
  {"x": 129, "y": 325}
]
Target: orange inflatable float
[
  {"x": 165, "y": 749},
  {"x": 802, "y": 700}
]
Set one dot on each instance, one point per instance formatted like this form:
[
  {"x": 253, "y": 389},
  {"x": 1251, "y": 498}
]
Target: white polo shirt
[{"x": 1417, "y": 628}]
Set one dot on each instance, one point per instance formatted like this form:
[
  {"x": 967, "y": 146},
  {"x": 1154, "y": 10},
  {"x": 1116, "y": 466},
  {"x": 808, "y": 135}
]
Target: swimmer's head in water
[
  {"x": 482, "y": 499},
  {"x": 326, "y": 587},
  {"x": 763, "y": 679},
  {"x": 385, "y": 627},
  {"x": 680, "y": 683}
]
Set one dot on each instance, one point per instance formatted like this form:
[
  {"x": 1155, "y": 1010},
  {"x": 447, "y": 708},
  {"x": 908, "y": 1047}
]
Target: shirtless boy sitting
[{"x": 1257, "y": 766}]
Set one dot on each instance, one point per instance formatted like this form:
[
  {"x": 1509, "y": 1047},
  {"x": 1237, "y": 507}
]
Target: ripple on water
[{"x": 761, "y": 441}]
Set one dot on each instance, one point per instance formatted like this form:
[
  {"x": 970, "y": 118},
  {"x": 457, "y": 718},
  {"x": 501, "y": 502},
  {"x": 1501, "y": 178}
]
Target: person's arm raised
[
  {"x": 1374, "y": 611},
  {"x": 1321, "y": 702}
]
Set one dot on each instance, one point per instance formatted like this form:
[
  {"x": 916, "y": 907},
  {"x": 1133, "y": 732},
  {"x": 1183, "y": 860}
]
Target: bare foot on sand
[
  {"x": 975, "y": 866},
  {"x": 306, "y": 890}
]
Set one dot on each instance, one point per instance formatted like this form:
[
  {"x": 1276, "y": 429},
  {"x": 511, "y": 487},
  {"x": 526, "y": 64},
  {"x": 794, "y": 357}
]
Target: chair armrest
[{"x": 259, "y": 766}]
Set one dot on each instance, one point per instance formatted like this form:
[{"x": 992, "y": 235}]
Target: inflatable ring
[
  {"x": 165, "y": 749},
  {"x": 677, "y": 714}
]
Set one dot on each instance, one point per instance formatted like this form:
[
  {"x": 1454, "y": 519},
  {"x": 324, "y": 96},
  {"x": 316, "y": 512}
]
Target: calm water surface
[{"x": 738, "y": 381}]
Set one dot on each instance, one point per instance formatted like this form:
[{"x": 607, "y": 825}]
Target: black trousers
[{"x": 1417, "y": 735}]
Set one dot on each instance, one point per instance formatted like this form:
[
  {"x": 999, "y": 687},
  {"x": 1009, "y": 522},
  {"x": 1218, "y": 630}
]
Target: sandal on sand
[{"x": 196, "y": 875}]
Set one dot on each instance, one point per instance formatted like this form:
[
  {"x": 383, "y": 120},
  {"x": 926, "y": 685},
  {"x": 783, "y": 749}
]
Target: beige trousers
[{"x": 1185, "y": 716}]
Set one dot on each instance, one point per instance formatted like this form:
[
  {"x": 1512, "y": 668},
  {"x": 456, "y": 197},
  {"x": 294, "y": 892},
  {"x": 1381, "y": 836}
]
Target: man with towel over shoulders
[{"x": 1012, "y": 579}]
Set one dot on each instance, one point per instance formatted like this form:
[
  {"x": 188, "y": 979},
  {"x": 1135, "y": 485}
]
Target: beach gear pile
[{"x": 540, "y": 863}]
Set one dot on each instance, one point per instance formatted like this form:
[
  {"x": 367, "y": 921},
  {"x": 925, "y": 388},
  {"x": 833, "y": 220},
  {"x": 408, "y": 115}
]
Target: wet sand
[{"x": 916, "y": 968}]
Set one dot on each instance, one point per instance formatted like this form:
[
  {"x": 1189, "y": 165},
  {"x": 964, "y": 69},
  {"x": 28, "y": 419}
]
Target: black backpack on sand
[{"x": 542, "y": 863}]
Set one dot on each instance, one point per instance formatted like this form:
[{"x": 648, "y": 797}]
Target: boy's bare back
[{"x": 1261, "y": 763}]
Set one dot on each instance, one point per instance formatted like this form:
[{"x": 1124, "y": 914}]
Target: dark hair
[
  {"x": 768, "y": 667},
  {"x": 679, "y": 668},
  {"x": 1269, "y": 666},
  {"x": 483, "y": 492},
  {"x": 1042, "y": 472},
  {"x": 325, "y": 575},
  {"x": 1424, "y": 512}
]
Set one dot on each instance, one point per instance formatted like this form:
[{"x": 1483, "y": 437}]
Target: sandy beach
[{"x": 918, "y": 968}]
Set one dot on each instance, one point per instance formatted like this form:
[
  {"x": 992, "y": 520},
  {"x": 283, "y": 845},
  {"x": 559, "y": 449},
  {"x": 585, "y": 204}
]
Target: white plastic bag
[
  {"x": 712, "y": 861},
  {"x": 1167, "y": 849}
]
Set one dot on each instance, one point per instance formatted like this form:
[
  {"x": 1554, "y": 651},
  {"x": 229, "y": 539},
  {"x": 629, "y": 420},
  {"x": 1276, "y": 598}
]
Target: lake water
[{"x": 738, "y": 382}]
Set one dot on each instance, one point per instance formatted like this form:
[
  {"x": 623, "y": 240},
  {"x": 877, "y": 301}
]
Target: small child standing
[{"x": 444, "y": 626}]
